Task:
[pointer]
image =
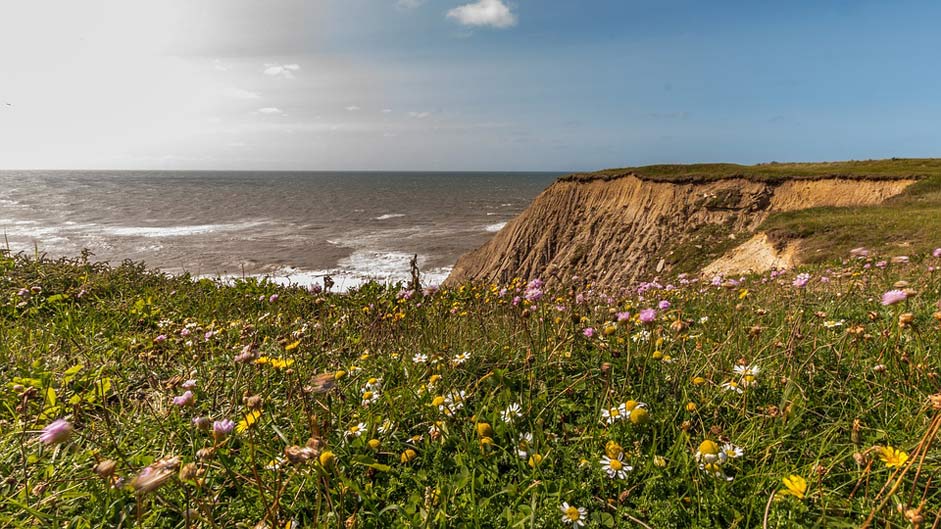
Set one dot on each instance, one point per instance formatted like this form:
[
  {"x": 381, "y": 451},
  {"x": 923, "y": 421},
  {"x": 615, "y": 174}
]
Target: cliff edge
[{"x": 618, "y": 226}]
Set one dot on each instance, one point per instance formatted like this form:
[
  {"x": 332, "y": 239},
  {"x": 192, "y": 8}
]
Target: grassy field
[
  {"x": 774, "y": 172},
  {"x": 134, "y": 399}
]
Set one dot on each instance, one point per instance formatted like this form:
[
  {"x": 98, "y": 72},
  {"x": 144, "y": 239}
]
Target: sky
[{"x": 554, "y": 85}]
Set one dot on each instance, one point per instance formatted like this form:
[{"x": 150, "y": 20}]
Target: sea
[{"x": 291, "y": 227}]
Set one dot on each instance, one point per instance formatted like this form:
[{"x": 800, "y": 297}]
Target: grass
[
  {"x": 774, "y": 172},
  {"x": 108, "y": 349}
]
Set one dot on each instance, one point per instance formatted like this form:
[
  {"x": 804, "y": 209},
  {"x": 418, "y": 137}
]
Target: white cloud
[
  {"x": 493, "y": 13},
  {"x": 352, "y": 108},
  {"x": 238, "y": 93},
  {"x": 269, "y": 110},
  {"x": 219, "y": 65},
  {"x": 281, "y": 70},
  {"x": 419, "y": 115},
  {"x": 386, "y": 110}
]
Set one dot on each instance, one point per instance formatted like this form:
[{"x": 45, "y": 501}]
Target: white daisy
[
  {"x": 370, "y": 396},
  {"x": 732, "y": 386},
  {"x": 453, "y": 402},
  {"x": 385, "y": 427},
  {"x": 615, "y": 468},
  {"x": 511, "y": 413},
  {"x": 461, "y": 358},
  {"x": 574, "y": 516},
  {"x": 732, "y": 451},
  {"x": 524, "y": 444},
  {"x": 419, "y": 358},
  {"x": 356, "y": 430},
  {"x": 612, "y": 415}
]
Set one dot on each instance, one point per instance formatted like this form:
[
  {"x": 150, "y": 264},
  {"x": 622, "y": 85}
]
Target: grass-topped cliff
[
  {"x": 618, "y": 225},
  {"x": 774, "y": 172},
  {"x": 134, "y": 399}
]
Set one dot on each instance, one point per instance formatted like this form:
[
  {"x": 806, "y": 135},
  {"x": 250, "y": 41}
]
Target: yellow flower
[
  {"x": 374, "y": 444},
  {"x": 327, "y": 458},
  {"x": 437, "y": 401},
  {"x": 484, "y": 430},
  {"x": 796, "y": 486},
  {"x": 612, "y": 449},
  {"x": 407, "y": 455},
  {"x": 698, "y": 381},
  {"x": 534, "y": 460},
  {"x": 691, "y": 407},
  {"x": 893, "y": 458},
  {"x": 743, "y": 294},
  {"x": 639, "y": 416},
  {"x": 339, "y": 374},
  {"x": 246, "y": 423},
  {"x": 292, "y": 346},
  {"x": 281, "y": 363}
]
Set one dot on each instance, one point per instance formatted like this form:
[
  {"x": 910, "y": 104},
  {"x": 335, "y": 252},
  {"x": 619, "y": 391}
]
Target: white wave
[
  {"x": 343, "y": 280},
  {"x": 493, "y": 228},
  {"x": 388, "y": 216},
  {"x": 177, "y": 231}
]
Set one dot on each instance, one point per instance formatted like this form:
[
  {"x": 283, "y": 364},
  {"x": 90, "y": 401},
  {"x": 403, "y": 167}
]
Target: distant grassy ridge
[{"x": 774, "y": 172}]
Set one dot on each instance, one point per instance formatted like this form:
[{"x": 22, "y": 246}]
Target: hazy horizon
[{"x": 463, "y": 85}]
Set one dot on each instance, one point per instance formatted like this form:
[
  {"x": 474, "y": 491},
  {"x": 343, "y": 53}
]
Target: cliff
[{"x": 619, "y": 226}]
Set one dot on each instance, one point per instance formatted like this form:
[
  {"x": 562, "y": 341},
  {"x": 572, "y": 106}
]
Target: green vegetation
[
  {"x": 774, "y": 172},
  {"x": 469, "y": 407},
  {"x": 909, "y": 222}
]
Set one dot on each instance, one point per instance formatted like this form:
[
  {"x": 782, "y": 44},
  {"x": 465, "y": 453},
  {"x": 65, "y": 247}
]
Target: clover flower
[
  {"x": 186, "y": 399},
  {"x": 222, "y": 429},
  {"x": 56, "y": 432},
  {"x": 894, "y": 296},
  {"x": 647, "y": 315}
]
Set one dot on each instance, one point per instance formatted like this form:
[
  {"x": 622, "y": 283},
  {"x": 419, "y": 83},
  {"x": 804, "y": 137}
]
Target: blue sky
[{"x": 464, "y": 84}]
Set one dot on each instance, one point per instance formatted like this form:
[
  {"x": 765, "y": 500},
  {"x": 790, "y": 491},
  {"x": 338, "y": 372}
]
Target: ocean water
[{"x": 290, "y": 226}]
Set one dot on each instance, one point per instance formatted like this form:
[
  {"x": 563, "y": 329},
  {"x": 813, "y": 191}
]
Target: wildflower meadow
[{"x": 795, "y": 398}]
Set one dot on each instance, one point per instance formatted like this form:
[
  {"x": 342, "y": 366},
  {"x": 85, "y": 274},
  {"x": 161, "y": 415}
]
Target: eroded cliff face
[{"x": 620, "y": 230}]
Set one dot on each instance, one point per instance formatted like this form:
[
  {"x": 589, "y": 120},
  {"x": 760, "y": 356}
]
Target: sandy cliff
[{"x": 622, "y": 229}]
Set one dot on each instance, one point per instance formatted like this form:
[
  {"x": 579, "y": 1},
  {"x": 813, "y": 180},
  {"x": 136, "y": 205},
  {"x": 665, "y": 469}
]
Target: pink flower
[
  {"x": 801, "y": 280},
  {"x": 185, "y": 332},
  {"x": 936, "y": 252},
  {"x": 273, "y": 298},
  {"x": 648, "y": 315},
  {"x": 161, "y": 338},
  {"x": 663, "y": 305},
  {"x": 58, "y": 431},
  {"x": 859, "y": 252},
  {"x": 623, "y": 316},
  {"x": 186, "y": 399},
  {"x": 588, "y": 332},
  {"x": 222, "y": 429},
  {"x": 882, "y": 264},
  {"x": 189, "y": 384},
  {"x": 894, "y": 296}
]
